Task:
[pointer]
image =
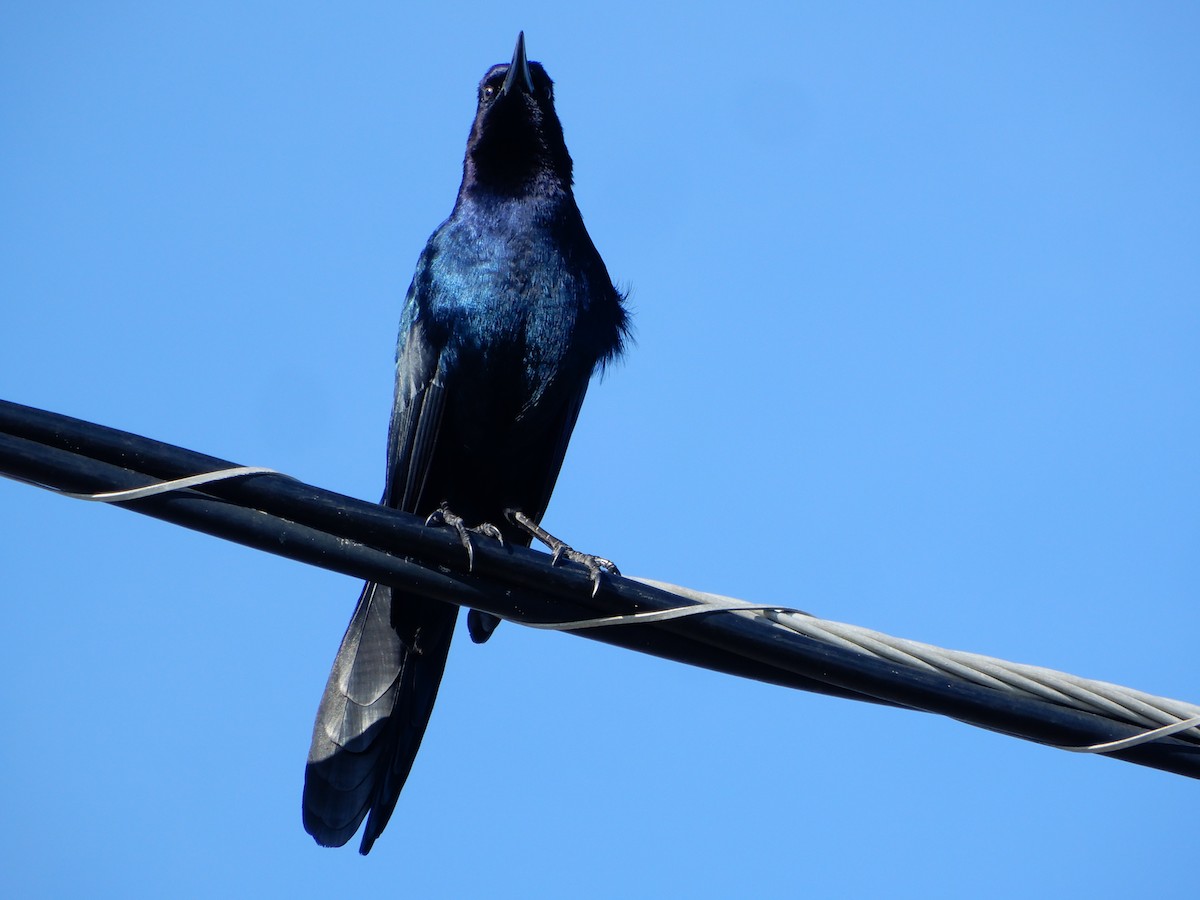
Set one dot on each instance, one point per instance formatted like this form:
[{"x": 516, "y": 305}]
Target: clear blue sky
[{"x": 917, "y": 296}]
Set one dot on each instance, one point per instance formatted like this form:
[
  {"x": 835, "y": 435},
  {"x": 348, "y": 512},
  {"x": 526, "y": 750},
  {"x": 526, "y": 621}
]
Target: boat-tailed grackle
[{"x": 509, "y": 313}]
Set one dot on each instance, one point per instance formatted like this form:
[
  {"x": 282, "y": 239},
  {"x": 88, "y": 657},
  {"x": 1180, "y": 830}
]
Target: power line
[{"x": 281, "y": 515}]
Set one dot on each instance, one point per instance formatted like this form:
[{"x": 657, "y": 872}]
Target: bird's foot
[
  {"x": 443, "y": 517},
  {"x": 596, "y": 565}
]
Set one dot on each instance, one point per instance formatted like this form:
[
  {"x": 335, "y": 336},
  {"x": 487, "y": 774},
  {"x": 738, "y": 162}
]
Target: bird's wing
[
  {"x": 545, "y": 461},
  {"x": 385, "y": 677},
  {"x": 556, "y": 432},
  {"x": 416, "y": 419}
]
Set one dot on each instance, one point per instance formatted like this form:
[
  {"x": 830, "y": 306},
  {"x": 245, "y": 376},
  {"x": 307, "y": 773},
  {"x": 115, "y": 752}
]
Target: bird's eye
[{"x": 488, "y": 92}]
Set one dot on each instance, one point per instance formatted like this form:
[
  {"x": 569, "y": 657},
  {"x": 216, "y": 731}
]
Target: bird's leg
[
  {"x": 595, "y": 565},
  {"x": 442, "y": 516}
]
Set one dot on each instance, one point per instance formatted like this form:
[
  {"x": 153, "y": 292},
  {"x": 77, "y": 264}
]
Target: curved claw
[
  {"x": 487, "y": 529},
  {"x": 596, "y": 565},
  {"x": 442, "y": 517}
]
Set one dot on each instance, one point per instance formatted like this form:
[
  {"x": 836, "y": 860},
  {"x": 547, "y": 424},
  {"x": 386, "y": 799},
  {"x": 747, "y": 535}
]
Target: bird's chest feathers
[{"x": 508, "y": 304}]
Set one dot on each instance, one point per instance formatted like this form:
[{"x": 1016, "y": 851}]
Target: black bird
[{"x": 509, "y": 313}]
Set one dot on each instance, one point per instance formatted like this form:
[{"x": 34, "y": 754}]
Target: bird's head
[{"x": 516, "y": 144}]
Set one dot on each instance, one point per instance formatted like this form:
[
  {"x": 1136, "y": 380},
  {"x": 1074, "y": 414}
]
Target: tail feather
[{"x": 373, "y": 713}]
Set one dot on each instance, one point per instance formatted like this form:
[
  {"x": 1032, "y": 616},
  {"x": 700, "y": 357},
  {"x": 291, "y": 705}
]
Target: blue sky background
[{"x": 917, "y": 297}]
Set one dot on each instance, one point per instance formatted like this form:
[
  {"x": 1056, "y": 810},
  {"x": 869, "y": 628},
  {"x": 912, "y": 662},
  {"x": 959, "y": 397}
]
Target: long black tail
[{"x": 373, "y": 714}]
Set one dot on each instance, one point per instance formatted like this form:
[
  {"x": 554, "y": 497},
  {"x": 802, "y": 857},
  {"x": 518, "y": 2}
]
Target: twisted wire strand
[{"x": 1039, "y": 682}]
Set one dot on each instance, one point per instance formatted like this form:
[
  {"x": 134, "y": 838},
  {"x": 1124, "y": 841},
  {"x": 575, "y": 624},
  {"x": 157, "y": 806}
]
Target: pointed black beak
[{"x": 518, "y": 70}]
